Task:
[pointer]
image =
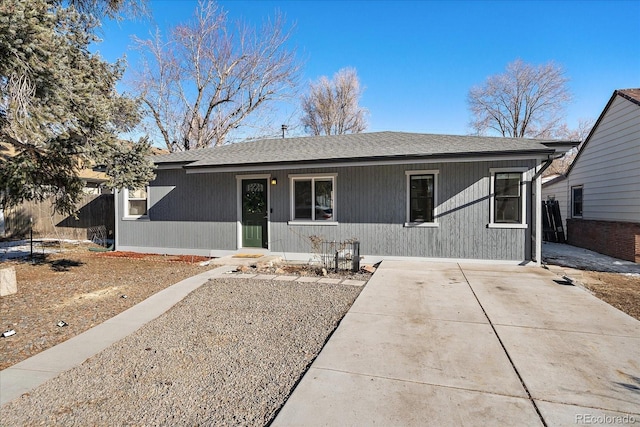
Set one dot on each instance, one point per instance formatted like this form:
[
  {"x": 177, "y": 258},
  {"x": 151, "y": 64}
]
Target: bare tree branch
[
  {"x": 331, "y": 106},
  {"x": 208, "y": 78},
  {"x": 525, "y": 101},
  {"x": 561, "y": 165}
]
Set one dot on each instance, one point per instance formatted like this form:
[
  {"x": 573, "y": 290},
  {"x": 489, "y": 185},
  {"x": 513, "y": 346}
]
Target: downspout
[
  {"x": 537, "y": 178},
  {"x": 544, "y": 168},
  {"x": 116, "y": 195}
]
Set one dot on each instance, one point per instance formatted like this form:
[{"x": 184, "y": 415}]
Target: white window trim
[
  {"x": 573, "y": 215},
  {"x": 127, "y": 216},
  {"x": 312, "y": 176},
  {"x": 410, "y": 173},
  {"x": 523, "y": 196},
  {"x": 307, "y": 222}
]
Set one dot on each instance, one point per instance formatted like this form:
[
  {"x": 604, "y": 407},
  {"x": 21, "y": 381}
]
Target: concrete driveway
[{"x": 473, "y": 344}]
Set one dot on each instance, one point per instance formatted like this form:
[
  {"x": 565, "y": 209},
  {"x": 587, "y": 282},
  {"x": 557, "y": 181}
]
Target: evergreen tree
[{"x": 59, "y": 110}]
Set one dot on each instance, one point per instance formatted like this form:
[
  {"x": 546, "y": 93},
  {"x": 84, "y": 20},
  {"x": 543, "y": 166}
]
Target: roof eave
[
  {"x": 554, "y": 180},
  {"x": 378, "y": 159},
  {"x": 172, "y": 165},
  {"x": 561, "y": 147},
  {"x": 628, "y": 97}
]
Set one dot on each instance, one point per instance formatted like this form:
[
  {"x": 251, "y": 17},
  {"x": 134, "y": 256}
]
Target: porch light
[{"x": 274, "y": 181}]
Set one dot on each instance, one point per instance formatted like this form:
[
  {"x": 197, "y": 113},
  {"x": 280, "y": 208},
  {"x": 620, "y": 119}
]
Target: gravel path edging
[{"x": 304, "y": 279}]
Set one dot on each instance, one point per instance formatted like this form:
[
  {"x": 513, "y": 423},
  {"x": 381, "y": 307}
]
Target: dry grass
[
  {"x": 619, "y": 290},
  {"x": 82, "y": 289}
]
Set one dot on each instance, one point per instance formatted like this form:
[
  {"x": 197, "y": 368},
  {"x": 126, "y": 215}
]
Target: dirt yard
[
  {"x": 82, "y": 289},
  {"x": 620, "y": 290}
]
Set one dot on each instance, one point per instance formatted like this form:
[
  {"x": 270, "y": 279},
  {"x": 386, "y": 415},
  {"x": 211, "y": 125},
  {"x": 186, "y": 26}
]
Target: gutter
[
  {"x": 544, "y": 168},
  {"x": 548, "y": 162}
]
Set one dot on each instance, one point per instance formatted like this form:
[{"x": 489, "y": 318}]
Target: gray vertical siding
[
  {"x": 185, "y": 211},
  {"x": 371, "y": 206},
  {"x": 198, "y": 211}
]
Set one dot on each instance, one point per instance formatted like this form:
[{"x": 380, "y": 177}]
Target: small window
[
  {"x": 508, "y": 204},
  {"x": 313, "y": 198},
  {"x": 576, "y": 201},
  {"x": 508, "y": 198},
  {"x": 136, "y": 202},
  {"x": 421, "y": 197}
]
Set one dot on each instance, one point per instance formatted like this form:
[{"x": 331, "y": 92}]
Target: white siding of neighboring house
[
  {"x": 558, "y": 191},
  {"x": 609, "y": 166}
]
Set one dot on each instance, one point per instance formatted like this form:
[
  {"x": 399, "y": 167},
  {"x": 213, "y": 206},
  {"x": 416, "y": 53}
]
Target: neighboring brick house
[{"x": 600, "y": 195}]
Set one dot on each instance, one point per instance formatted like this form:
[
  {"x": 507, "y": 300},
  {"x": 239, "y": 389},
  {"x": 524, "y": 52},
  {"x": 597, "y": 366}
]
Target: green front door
[{"x": 254, "y": 213}]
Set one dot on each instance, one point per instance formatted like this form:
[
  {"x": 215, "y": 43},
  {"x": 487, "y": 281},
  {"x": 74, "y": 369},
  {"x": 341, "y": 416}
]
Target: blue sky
[{"x": 418, "y": 59}]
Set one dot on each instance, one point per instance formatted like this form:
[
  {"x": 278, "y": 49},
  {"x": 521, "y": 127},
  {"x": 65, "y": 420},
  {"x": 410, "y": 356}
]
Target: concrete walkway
[
  {"x": 30, "y": 373},
  {"x": 449, "y": 344}
]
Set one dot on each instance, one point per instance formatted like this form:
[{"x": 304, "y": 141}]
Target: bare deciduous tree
[
  {"x": 524, "y": 101},
  {"x": 578, "y": 134},
  {"x": 561, "y": 165},
  {"x": 207, "y": 78},
  {"x": 331, "y": 106}
]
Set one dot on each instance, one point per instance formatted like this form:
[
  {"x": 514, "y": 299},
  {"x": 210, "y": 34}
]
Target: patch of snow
[
  {"x": 584, "y": 259},
  {"x": 22, "y": 248}
]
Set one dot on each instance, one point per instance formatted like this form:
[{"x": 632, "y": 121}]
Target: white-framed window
[
  {"x": 313, "y": 199},
  {"x": 136, "y": 203},
  {"x": 576, "y": 201},
  {"x": 508, "y": 198},
  {"x": 422, "y": 198}
]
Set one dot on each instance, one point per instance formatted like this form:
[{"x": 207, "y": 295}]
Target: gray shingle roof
[{"x": 352, "y": 148}]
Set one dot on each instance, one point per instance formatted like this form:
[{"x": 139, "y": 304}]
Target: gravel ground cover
[{"x": 230, "y": 353}]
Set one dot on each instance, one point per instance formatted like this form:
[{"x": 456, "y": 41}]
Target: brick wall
[{"x": 616, "y": 239}]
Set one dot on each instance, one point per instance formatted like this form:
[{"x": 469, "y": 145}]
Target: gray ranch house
[{"x": 401, "y": 195}]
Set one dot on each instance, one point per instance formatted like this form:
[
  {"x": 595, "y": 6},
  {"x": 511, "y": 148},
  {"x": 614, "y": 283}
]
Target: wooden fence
[{"x": 93, "y": 210}]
